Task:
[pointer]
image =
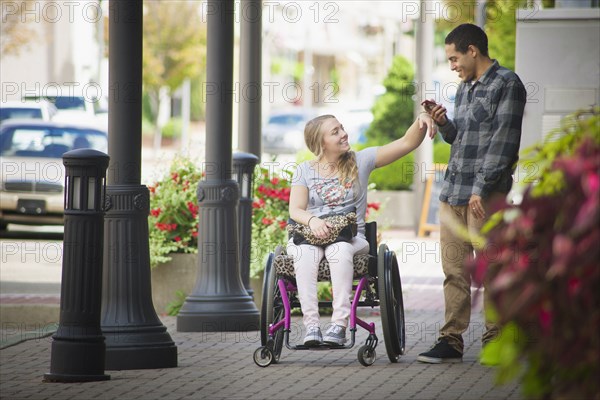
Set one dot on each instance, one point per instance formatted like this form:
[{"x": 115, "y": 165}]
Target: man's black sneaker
[{"x": 441, "y": 352}]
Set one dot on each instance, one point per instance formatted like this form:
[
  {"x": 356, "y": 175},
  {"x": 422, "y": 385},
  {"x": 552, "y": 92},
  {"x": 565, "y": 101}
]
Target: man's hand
[
  {"x": 438, "y": 113},
  {"x": 476, "y": 206}
]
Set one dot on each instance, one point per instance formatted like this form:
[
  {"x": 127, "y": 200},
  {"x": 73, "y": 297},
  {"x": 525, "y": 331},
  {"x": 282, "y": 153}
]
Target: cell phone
[{"x": 428, "y": 105}]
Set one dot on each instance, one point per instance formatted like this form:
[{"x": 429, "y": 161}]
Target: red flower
[
  {"x": 267, "y": 221},
  {"x": 282, "y": 224},
  {"x": 177, "y": 239},
  {"x": 545, "y": 318},
  {"x": 193, "y": 208},
  {"x": 166, "y": 227},
  {"x": 574, "y": 285},
  {"x": 195, "y": 234},
  {"x": 175, "y": 176},
  {"x": 275, "y": 181},
  {"x": 156, "y": 212},
  {"x": 283, "y": 194},
  {"x": 374, "y": 205},
  {"x": 258, "y": 203}
]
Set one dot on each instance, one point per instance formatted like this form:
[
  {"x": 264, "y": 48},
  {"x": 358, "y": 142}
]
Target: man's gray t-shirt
[{"x": 327, "y": 195}]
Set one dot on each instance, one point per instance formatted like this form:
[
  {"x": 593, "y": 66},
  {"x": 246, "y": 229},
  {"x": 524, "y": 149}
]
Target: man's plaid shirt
[{"x": 485, "y": 136}]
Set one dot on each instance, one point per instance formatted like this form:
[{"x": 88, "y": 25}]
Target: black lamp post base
[
  {"x": 77, "y": 361},
  {"x": 148, "y": 357},
  {"x": 135, "y": 336},
  {"x": 230, "y": 314}
]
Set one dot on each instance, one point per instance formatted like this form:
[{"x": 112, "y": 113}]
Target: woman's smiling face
[{"x": 335, "y": 138}]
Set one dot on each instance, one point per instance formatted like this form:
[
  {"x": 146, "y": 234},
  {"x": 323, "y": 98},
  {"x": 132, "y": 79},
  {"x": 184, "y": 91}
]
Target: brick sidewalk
[{"x": 220, "y": 366}]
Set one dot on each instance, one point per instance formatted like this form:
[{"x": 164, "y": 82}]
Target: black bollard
[
  {"x": 78, "y": 348},
  {"x": 243, "y": 169}
]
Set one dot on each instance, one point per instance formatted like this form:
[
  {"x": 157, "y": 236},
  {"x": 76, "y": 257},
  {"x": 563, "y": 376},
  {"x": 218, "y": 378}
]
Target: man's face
[{"x": 463, "y": 63}]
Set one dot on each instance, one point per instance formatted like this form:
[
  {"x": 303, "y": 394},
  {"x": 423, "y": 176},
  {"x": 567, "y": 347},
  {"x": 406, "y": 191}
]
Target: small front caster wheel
[
  {"x": 366, "y": 355},
  {"x": 263, "y": 356}
]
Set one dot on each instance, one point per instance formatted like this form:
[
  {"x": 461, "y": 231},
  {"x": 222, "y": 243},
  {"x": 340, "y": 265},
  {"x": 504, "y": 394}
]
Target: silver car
[
  {"x": 27, "y": 109},
  {"x": 32, "y": 176},
  {"x": 284, "y": 131}
]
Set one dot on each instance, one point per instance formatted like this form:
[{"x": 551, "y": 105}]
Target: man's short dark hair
[{"x": 468, "y": 34}]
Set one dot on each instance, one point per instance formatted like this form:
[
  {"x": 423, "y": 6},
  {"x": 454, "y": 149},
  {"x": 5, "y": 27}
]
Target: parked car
[
  {"x": 356, "y": 121},
  {"x": 284, "y": 131},
  {"x": 24, "y": 109},
  {"x": 73, "y": 105},
  {"x": 32, "y": 177}
]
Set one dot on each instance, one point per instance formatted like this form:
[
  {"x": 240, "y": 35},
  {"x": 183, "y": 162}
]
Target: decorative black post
[
  {"x": 219, "y": 301},
  {"x": 249, "y": 135},
  {"x": 243, "y": 167},
  {"x": 135, "y": 336},
  {"x": 78, "y": 347}
]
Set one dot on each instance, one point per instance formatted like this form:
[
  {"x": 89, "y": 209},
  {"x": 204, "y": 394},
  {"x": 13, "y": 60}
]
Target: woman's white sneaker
[
  {"x": 313, "y": 337},
  {"x": 336, "y": 334}
]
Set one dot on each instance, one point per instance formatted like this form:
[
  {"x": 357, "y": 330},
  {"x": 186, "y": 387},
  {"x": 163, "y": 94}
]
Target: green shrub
[
  {"x": 174, "y": 306},
  {"x": 396, "y": 176},
  {"x": 173, "y": 219},
  {"x": 393, "y": 112},
  {"x": 147, "y": 127},
  {"x": 441, "y": 152},
  {"x": 270, "y": 212},
  {"x": 172, "y": 128}
]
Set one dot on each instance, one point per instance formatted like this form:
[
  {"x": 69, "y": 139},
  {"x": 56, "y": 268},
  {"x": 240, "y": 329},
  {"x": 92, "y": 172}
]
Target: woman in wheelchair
[
  {"x": 336, "y": 180},
  {"x": 333, "y": 183}
]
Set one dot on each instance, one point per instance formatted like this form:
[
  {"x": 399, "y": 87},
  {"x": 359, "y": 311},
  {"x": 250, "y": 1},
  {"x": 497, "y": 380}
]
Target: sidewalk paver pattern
[{"x": 219, "y": 365}]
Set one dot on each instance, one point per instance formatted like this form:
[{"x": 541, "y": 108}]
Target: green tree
[
  {"x": 500, "y": 25},
  {"x": 393, "y": 111},
  {"x": 174, "y": 49},
  {"x": 16, "y": 32},
  {"x": 392, "y": 116}
]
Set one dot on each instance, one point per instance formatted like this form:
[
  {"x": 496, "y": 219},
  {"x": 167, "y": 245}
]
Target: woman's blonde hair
[{"x": 313, "y": 136}]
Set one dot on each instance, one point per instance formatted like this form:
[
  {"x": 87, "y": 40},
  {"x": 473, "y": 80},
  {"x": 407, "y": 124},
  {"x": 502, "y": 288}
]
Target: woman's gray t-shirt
[{"x": 327, "y": 195}]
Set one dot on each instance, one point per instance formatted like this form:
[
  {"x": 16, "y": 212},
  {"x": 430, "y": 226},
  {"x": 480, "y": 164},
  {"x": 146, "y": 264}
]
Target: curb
[{"x": 12, "y": 334}]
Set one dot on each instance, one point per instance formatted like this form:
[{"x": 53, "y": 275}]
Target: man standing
[{"x": 484, "y": 136}]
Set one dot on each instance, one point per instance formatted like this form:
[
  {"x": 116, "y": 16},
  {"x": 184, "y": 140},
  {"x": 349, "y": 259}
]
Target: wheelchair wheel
[
  {"x": 272, "y": 310},
  {"x": 263, "y": 356},
  {"x": 391, "y": 303},
  {"x": 366, "y": 355}
]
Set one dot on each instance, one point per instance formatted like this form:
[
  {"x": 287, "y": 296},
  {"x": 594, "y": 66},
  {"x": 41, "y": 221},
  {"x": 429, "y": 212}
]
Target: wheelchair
[{"x": 376, "y": 284}]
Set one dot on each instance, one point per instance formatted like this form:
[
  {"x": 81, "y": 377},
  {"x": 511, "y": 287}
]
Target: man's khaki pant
[{"x": 457, "y": 285}]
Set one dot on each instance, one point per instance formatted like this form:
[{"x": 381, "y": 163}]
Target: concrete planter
[
  {"x": 167, "y": 278},
  {"x": 256, "y": 284},
  {"x": 398, "y": 208}
]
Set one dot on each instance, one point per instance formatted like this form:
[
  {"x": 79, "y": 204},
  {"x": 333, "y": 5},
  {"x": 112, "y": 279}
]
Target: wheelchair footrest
[{"x": 323, "y": 346}]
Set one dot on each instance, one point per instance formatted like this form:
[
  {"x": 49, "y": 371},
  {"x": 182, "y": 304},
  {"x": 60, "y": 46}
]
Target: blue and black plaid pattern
[{"x": 484, "y": 135}]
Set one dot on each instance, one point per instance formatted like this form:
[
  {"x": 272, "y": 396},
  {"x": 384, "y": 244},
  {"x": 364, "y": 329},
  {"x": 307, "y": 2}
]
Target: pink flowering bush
[
  {"x": 543, "y": 274},
  {"x": 173, "y": 220}
]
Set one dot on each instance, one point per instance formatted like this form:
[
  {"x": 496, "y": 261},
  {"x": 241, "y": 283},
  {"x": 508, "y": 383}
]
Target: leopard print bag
[{"x": 344, "y": 229}]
